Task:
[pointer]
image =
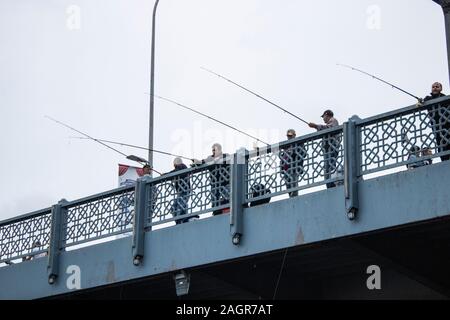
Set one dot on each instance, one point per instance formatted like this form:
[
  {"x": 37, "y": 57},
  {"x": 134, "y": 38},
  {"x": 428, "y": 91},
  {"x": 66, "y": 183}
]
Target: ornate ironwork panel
[{"x": 294, "y": 165}]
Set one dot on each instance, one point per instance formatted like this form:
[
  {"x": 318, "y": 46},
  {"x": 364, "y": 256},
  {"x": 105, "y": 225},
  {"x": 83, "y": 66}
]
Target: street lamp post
[
  {"x": 152, "y": 87},
  {"x": 446, "y": 8},
  {"x": 445, "y": 4}
]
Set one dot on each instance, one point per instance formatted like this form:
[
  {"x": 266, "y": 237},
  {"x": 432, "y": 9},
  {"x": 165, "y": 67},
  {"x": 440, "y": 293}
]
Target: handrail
[{"x": 379, "y": 147}]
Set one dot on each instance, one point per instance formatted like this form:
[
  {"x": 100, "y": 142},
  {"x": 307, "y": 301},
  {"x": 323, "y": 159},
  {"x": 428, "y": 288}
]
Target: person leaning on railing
[
  {"x": 439, "y": 120},
  {"x": 219, "y": 176},
  {"x": 291, "y": 163},
  {"x": 415, "y": 153},
  {"x": 330, "y": 145}
]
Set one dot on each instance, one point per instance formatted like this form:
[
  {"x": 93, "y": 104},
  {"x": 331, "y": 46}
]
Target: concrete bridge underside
[{"x": 403, "y": 227}]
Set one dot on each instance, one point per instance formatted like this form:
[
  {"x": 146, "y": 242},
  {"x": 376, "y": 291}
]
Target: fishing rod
[
  {"x": 374, "y": 77},
  {"x": 109, "y": 147},
  {"x": 259, "y": 96},
  {"x": 137, "y": 147},
  {"x": 209, "y": 117}
]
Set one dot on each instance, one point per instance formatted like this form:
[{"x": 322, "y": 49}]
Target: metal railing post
[
  {"x": 59, "y": 216},
  {"x": 141, "y": 212},
  {"x": 351, "y": 164},
  {"x": 238, "y": 173}
]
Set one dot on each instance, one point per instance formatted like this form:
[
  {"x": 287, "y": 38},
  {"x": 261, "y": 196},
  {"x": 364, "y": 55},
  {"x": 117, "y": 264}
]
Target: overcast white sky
[{"x": 93, "y": 75}]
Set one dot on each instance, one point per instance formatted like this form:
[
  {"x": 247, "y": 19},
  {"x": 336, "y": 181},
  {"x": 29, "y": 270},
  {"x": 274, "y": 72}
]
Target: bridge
[{"x": 341, "y": 211}]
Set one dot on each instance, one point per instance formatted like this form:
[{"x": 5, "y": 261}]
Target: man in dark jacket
[
  {"x": 291, "y": 163},
  {"x": 439, "y": 117}
]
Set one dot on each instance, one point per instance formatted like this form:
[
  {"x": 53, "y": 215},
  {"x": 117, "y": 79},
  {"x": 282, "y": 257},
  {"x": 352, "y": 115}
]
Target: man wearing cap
[
  {"x": 330, "y": 144},
  {"x": 291, "y": 163},
  {"x": 328, "y": 118}
]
